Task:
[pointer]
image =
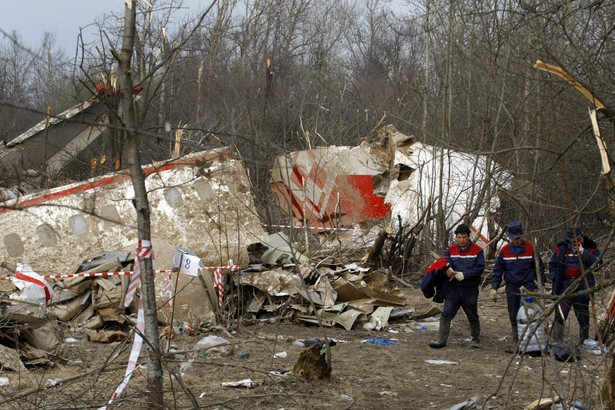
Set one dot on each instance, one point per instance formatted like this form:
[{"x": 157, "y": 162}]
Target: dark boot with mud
[
  {"x": 558, "y": 332},
  {"x": 583, "y": 334},
  {"x": 475, "y": 333},
  {"x": 443, "y": 332},
  {"x": 515, "y": 340}
]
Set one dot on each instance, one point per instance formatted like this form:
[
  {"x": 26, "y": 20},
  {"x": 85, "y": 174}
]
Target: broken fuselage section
[{"x": 391, "y": 176}]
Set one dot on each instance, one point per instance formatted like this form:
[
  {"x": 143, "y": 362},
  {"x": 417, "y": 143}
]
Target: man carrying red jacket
[
  {"x": 569, "y": 261},
  {"x": 516, "y": 264},
  {"x": 466, "y": 266}
]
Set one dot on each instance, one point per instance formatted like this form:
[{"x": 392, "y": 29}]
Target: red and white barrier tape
[
  {"x": 218, "y": 282},
  {"x": 76, "y": 275},
  {"x": 231, "y": 267},
  {"x": 144, "y": 250},
  {"x": 134, "y": 355},
  {"x": 322, "y": 228}
]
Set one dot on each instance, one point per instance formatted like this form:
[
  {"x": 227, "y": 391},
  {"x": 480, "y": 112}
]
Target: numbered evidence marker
[{"x": 187, "y": 264}]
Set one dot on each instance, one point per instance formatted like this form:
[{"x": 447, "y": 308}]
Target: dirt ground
[{"x": 364, "y": 376}]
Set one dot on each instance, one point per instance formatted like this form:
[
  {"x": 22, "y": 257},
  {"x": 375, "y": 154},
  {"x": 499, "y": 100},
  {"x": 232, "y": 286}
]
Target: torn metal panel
[
  {"x": 277, "y": 282},
  {"x": 10, "y": 360},
  {"x": 51, "y": 143},
  {"x": 67, "y": 310},
  {"x": 281, "y": 251},
  {"x": 111, "y": 314},
  {"x": 202, "y": 201},
  {"x": 339, "y": 307},
  {"x": 401, "y": 312},
  {"x": 46, "y": 337},
  {"x": 256, "y": 303},
  {"x": 36, "y": 339},
  {"x": 379, "y": 319},
  {"x": 378, "y": 282},
  {"x": 274, "y": 256},
  {"x": 385, "y": 299},
  {"x": 346, "y": 291},
  {"x": 311, "y": 296},
  {"x": 314, "y": 320},
  {"x": 120, "y": 257},
  {"x": 106, "y": 336},
  {"x": 327, "y": 294},
  {"x": 83, "y": 317},
  {"x": 345, "y": 319},
  {"x": 362, "y": 305}
]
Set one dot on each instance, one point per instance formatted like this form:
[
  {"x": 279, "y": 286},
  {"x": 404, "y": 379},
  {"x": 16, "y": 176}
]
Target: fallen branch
[{"x": 62, "y": 382}]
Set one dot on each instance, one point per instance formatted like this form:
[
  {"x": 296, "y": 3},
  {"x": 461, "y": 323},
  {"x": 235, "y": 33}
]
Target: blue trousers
[
  {"x": 458, "y": 297},
  {"x": 581, "y": 310}
]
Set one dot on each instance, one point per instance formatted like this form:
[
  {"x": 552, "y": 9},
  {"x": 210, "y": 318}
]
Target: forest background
[{"x": 269, "y": 76}]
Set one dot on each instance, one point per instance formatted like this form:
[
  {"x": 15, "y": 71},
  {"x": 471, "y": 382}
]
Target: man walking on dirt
[
  {"x": 516, "y": 264},
  {"x": 466, "y": 265},
  {"x": 571, "y": 259}
]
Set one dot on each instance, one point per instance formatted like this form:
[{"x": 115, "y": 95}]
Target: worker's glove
[
  {"x": 580, "y": 249},
  {"x": 450, "y": 272},
  {"x": 459, "y": 276},
  {"x": 494, "y": 295}
]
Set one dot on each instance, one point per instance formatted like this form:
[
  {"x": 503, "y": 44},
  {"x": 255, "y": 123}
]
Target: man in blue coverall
[
  {"x": 569, "y": 261},
  {"x": 516, "y": 264},
  {"x": 466, "y": 266}
]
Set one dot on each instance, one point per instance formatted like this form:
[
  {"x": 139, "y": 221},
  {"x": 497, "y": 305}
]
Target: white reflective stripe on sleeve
[{"x": 514, "y": 258}]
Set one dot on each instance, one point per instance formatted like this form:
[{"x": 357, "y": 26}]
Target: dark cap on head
[
  {"x": 514, "y": 230},
  {"x": 571, "y": 233},
  {"x": 463, "y": 228}
]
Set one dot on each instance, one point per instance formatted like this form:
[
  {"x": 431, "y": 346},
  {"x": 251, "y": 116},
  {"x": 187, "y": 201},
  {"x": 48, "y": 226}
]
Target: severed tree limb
[
  {"x": 376, "y": 249},
  {"x": 409, "y": 239},
  {"x": 39, "y": 389}
]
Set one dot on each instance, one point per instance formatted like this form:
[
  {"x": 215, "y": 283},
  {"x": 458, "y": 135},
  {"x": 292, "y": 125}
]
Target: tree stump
[{"x": 312, "y": 362}]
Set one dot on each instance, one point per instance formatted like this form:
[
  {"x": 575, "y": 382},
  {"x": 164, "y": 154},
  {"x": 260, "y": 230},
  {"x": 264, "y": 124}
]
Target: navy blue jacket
[
  {"x": 435, "y": 282},
  {"x": 470, "y": 261},
  {"x": 517, "y": 268},
  {"x": 564, "y": 261}
]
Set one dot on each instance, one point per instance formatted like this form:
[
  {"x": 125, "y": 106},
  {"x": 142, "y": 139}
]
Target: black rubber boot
[
  {"x": 583, "y": 334},
  {"x": 515, "y": 340},
  {"x": 475, "y": 333},
  {"x": 443, "y": 332},
  {"x": 558, "y": 332}
]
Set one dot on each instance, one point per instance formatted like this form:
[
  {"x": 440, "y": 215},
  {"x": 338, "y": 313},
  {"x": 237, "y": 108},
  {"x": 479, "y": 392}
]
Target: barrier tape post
[
  {"x": 144, "y": 250},
  {"x": 134, "y": 355},
  {"x": 219, "y": 284},
  {"x": 181, "y": 260}
]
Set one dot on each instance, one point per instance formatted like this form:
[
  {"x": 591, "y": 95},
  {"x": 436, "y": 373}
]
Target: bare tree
[{"x": 129, "y": 122}]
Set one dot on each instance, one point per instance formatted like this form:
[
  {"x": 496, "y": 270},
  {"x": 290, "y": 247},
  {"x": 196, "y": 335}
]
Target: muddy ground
[{"x": 364, "y": 376}]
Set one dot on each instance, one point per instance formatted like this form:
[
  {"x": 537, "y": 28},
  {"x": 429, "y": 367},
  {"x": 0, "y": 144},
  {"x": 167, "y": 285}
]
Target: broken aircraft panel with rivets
[{"x": 201, "y": 201}]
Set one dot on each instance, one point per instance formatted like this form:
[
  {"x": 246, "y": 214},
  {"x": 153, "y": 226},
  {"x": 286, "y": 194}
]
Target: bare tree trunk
[
  {"x": 128, "y": 115},
  {"x": 447, "y": 109},
  {"x": 426, "y": 85}
]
